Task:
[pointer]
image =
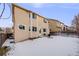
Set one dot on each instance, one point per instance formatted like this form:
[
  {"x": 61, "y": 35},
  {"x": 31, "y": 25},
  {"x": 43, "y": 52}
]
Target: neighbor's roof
[{"x": 56, "y": 20}]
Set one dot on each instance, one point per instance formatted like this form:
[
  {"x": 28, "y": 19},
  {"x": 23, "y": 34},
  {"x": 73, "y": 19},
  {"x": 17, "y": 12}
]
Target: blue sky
[{"x": 63, "y": 12}]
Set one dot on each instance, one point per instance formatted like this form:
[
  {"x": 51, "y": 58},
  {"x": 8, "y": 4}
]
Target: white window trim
[{"x": 23, "y": 25}]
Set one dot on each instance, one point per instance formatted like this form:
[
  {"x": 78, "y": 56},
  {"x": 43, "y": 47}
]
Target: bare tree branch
[
  {"x": 2, "y": 10},
  {"x": 10, "y": 12}
]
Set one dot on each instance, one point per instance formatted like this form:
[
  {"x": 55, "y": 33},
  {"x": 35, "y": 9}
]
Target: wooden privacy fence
[{"x": 3, "y": 38}]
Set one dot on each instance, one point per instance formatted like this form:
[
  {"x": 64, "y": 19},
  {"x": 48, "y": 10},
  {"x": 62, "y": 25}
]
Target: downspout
[
  {"x": 37, "y": 27},
  {"x": 30, "y": 25}
]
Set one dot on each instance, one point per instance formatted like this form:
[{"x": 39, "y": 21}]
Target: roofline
[{"x": 14, "y": 5}]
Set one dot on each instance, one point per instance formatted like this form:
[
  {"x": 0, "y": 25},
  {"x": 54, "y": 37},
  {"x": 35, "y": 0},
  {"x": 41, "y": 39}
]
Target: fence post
[{"x": 3, "y": 38}]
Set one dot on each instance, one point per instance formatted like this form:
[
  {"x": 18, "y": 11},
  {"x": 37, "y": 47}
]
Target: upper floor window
[
  {"x": 29, "y": 15},
  {"x": 34, "y": 16},
  {"x": 22, "y": 27},
  {"x": 45, "y": 20}
]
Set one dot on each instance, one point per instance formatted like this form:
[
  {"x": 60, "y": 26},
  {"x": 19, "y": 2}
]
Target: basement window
[
  {"x": 22, "y": 27},
  {"x": 44, "y": 30}
]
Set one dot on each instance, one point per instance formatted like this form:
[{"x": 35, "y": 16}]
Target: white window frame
[{"x": 23, "y": 25}]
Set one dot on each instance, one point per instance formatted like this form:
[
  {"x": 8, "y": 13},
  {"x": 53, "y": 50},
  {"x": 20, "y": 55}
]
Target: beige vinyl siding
[{"x": 21, "y": 18}]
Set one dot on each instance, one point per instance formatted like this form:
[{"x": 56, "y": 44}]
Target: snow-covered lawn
[{"x": 53, "y": 46}]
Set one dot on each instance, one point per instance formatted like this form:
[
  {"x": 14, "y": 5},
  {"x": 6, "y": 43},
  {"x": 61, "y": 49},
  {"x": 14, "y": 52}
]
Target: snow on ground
[{"x": 53, "y": 46}]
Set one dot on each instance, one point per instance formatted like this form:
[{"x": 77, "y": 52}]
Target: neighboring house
[
  {"x": 65, "y": 29},
  {"x": 9, "y": 30},
  {"x": 55, "y": 26},
  {"x": 28, "y": 24},
  {"x": 6, "y": 30},
  {"x": 71, "y": 29},
  {"x": 1, "y": 31}
]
